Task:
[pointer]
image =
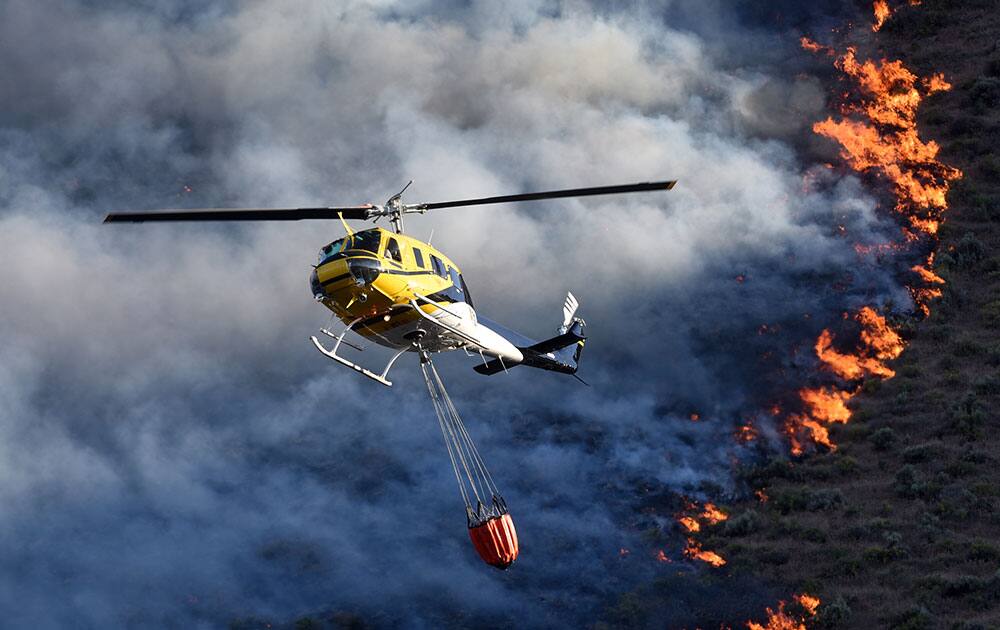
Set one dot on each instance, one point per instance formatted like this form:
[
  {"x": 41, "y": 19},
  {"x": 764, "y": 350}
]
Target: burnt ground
[{"x": 900, "y": 526}]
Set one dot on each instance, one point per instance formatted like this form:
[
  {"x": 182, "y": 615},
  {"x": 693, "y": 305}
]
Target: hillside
[{"x": 898, "y": 527}]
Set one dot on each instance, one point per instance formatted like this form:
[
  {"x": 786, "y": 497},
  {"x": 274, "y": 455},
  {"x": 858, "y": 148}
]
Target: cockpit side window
[
  {"x": 392, "y": 250},
  {"x": 459, "y": 291},
  {"x": 465, "y": 291},
  {"x": 418, "y": 256}
]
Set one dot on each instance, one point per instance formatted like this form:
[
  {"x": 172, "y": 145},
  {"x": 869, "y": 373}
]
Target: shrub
[
  {"x": 930, "y": 526},
  {"x": 967, "y": 416},
  {"x": 989, "y": 166},
  {"x": 882, "y": 555},
  {"x": 982, "y": 551},
  {"x": 993, "y": 68},
  {"x": 984, "y": 94},
  {"x": 834, "y": 614},
  {"x": 804, "y": 499},
  {"x": 966, "y": 347},
  {"x": 907, "y": 483},
  {"x": 920, "y": 453},
  {"x": 959, "y": 469},
  {"x": 742, "y": 524},
  {"x": 987, "y": 386},
  {"x": 883, "y": 439},
  {"x": 912, "y": 619},
  {"x": 846, "y": 464},
  {"x": 968, "y": 252},
  {"x": 990, "y": 312}
]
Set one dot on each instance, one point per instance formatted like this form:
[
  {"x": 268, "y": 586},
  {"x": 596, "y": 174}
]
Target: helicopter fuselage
[{"x": 374, "y": 281}]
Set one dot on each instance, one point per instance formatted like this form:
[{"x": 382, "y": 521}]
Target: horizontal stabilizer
[{"x": 546, "y": 354}]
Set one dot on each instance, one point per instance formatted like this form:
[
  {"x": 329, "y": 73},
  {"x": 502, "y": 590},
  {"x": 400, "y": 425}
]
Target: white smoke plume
[{"x": 173, "y": 453}]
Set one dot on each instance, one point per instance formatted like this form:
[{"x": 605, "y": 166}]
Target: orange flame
[
  {"x": 882, "y": 13},
  {"x": 887, "y": 142},
  {"x": 692, "y": 521},
  {"x": 782, "y": 620},
  {"x": 713, "y": 515},
  {"x": 694, "y": 550},
  {"x": 877, "y": 335},
  {"x": 810, "y": 603}
]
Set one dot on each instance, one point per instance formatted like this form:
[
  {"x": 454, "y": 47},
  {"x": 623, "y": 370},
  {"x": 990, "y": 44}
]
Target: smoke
[{"x": 172, "y": 452}]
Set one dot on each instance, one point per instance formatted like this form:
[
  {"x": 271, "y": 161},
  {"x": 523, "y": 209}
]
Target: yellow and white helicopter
[{"x": 404, "y": 294}]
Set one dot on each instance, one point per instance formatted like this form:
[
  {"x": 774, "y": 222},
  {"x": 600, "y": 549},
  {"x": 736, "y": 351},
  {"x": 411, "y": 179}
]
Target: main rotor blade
[
  {"x": 553, "y": 194},
  {"x": 241, "y": 214}
]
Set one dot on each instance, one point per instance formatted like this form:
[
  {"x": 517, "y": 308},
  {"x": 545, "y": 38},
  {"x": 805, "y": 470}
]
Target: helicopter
[{"x": 404, "y": 294}]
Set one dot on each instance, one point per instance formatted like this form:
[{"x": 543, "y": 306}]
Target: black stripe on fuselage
[{"x": 336, "y": 279}]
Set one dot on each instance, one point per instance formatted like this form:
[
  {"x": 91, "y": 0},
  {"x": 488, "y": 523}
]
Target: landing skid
[{"x": 381, "y": 378}]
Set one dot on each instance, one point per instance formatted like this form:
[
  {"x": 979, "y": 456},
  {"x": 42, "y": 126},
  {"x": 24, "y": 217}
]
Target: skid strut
[{"x": 381, "y": 378}]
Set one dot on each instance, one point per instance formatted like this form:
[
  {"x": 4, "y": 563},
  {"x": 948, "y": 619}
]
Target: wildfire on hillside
[{"x": 878, "y": 136}]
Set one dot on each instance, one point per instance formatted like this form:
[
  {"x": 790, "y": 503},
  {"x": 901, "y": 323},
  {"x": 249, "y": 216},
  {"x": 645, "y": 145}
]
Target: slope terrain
[{"x": 898, "y": 527}]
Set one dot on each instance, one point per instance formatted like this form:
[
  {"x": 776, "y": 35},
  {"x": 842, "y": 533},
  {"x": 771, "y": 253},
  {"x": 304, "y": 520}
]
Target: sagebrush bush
[{"x": 883, "y": 439}]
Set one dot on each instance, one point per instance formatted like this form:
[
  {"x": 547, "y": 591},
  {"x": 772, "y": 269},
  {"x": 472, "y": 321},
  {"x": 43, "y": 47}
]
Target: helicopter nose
[
  {"x": 319, "y": 293},
  {"x": 364, "y": 270}
]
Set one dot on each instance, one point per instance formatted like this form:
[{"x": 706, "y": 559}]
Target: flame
[
  {"x": 882, "y": 13},
  {"x": 878, "y": 336},
  {"x": 810, "y": 603},
  {"x": 887, "y": 141},
  {"x": 746, "y": 433},
  {"x": 694, "y": 550},
  {"x": 847, "y": 366},
  {"x": 782, "y": 620},
  {"x": 812, "y": 46},
  {"x": 692, "y": 520},
  {"x": 827, "y": 405},
  {"x": 662, "y": 557},
  {"x": 824, "y": 406},
  {"x": 927, "y": 275},
  {"x": 713, "y": 515},
  {"x": 922, "y": 296}
]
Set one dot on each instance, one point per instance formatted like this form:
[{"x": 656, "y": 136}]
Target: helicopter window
[
  {"x": 368, "y": 240},
  {"x": 465, "y": 291},
  {"x": 331, "y": 249},
  {"x": 456, "y": 279},
  {"x": 392, "y": 250},
  {"x": 418, "y": 257},
  {"x": 438, "y": 266}
]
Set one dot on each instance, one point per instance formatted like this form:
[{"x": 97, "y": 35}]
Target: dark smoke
[{"x": 173, "y": 453}]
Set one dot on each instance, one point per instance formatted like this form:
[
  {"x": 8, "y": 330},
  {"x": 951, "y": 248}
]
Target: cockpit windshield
[
  {"x": 368, "y": 240},
  {"x": 331, "y": 249}
]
